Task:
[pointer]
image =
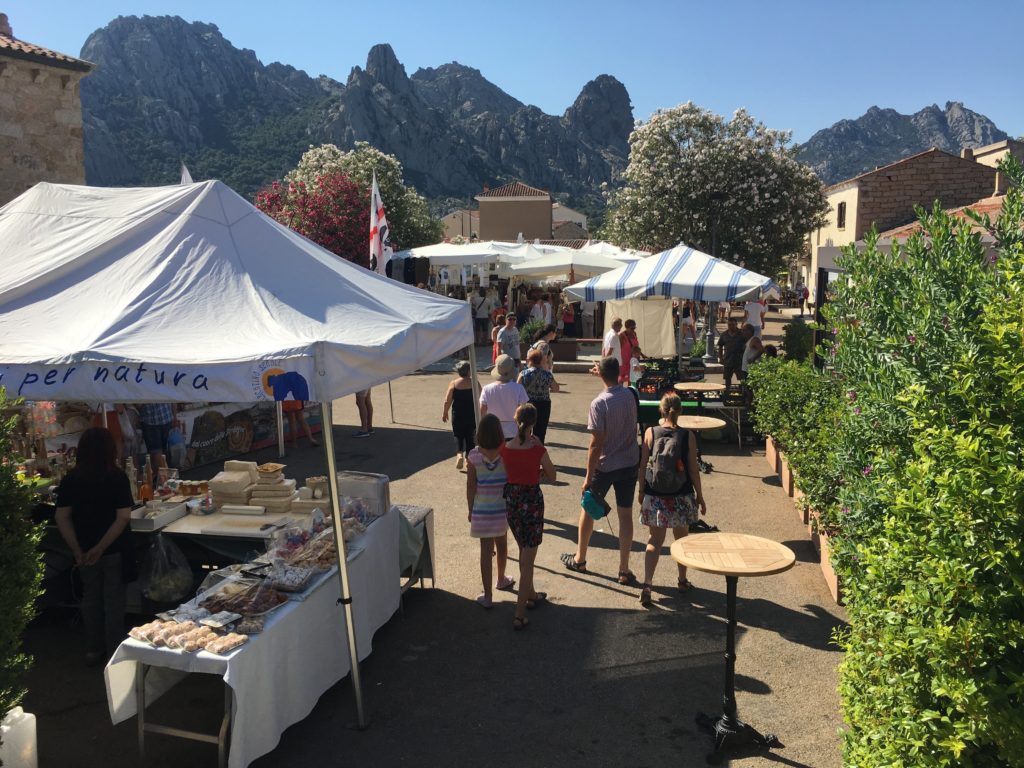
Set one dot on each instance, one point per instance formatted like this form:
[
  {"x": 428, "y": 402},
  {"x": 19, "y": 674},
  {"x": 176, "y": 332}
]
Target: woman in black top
[
  {"x": 673, "y": 508},
  {"x": 459, "y": 401},
  {"x": 94, "y": 504}
]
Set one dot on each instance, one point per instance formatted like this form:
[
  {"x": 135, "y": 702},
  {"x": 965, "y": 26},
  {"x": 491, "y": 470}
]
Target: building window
[{"x": 841, "y": 216}]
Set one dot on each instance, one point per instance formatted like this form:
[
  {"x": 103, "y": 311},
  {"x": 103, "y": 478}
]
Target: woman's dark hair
[
  {"x": 499, "y": 320},
  {"x": 770, "y": 350},
  {"x": 549, "y": 328},
  {"x": 489, "y": 434},
  {"x": 97, "y": 452},
  {"x": 526, "y": 417}
]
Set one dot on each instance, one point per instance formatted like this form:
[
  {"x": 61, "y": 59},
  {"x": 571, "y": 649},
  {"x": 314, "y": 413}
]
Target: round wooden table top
[
  {"x": 698, "y": 423},
  {"x": 733, "y": 554},
  {"x": 698, "y": 386}
]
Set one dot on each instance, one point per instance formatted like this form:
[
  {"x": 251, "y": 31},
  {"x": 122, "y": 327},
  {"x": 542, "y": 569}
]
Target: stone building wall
[
  {"x": 887, "y": 198},
  {"x": 40, "y": 126}
]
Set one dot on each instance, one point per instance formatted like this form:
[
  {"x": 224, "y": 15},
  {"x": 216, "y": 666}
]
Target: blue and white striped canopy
[{"x": 680, "y": 273}]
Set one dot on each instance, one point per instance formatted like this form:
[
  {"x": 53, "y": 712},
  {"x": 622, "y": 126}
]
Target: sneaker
[
  {"x": 460, "y": 462},
  {"x": 362, "y": 433}
]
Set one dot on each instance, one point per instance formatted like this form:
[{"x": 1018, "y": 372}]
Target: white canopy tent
[
  {"x": 569, "y": 261},
  {"x": 190, "y": 293},
  {"x": 604, "y": 248}
]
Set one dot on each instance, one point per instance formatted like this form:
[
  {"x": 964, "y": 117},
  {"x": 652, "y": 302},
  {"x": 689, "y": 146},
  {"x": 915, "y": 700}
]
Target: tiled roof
[
  {"x": 514, "y": 189},
  {"x": 569, "y": 230},
  {"x": 19, "y": 49},
  {"x": 989, "y": 205}
]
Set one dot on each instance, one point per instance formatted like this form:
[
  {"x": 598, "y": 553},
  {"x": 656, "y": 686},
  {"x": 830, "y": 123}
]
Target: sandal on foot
[
  {"x": 569, "y": 561},
  {"x": 645, "y": 595},
  {"x": 684, "y": 585},
  {"x": 627, "y": 577},
  {"x": 505, "y": 584},
  {"x": 519, "y": 624},
  {"x": 484, "y": 601},
  {"x": 540, "y": 597}
]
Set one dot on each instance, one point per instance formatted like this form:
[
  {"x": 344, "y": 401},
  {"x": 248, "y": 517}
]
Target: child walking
[
  {"x": 459, "y": 400},
  {"x": 485, "y": 482},
  {"x": 525, "y": 457}
]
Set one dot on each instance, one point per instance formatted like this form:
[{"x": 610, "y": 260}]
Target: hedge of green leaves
[
  {"x": 21, "y": 569},
  {"x": 802, "y": 410},
  {"x": 930, "y": 352},
  {"x": 797, "y": 340}
]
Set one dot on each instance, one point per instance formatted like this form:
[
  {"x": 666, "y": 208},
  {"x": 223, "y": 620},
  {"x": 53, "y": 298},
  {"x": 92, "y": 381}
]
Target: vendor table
[
  {"x": 700, "y": 388},
  {"x": 699, "y": 423},
  {"x": 732, "y": 555},
  {"x": 276, "y": 678}
]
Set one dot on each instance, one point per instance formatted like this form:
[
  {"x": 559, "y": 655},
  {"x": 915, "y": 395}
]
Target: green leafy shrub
[
  {"x": 21, "y": 568},
  {"x": 802, "y": 409},
  {"x": 700, "y": 346},
  {"x": 797, "y": 340},
  {"x": 930, "y": 348}
]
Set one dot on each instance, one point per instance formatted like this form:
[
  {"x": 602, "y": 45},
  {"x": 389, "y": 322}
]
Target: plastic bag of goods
[{"x": 165, "y": 576}]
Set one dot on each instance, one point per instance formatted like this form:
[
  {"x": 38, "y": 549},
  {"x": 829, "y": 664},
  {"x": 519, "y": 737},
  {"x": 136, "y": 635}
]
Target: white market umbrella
[
  {"x": 681, "y": 273},
  {"x": 605, "y": 248},
  {"x": 455, "y": 254}
]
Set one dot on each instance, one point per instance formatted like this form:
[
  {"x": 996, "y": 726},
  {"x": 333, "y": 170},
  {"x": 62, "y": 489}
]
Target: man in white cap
[{"x": 503, "y": 396}]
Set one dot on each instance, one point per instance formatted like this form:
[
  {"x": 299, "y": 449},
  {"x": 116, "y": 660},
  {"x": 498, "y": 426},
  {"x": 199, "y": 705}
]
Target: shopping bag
[{"x": 165, "y": 576}]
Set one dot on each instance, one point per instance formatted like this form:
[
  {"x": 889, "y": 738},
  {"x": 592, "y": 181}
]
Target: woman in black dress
[
  {"x": 94, "y": 504},
  {"x": 459, "y": 401}
]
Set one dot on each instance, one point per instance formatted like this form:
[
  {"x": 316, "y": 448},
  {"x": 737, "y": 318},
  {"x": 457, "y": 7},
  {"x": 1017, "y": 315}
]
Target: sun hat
[{"x": 504, "y": 368}]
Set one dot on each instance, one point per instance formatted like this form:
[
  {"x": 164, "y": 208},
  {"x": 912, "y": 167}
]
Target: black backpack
[{"x": 666, "y": 468}]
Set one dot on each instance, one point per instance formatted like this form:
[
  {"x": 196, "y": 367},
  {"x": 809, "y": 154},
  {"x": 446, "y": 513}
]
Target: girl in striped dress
[{"x": 485, "y": 485}]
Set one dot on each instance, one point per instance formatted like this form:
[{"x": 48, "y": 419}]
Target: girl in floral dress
[
  {"x": 525, "y": 458},
  {"x": 675, "y": 510},
  {"x": 485, "y": 482}
]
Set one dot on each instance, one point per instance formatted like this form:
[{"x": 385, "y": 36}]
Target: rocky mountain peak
[
  {"x": 603, "y": 112},
  {"x": 384, "y": 68},
  {"x": 881, "y": 136}
]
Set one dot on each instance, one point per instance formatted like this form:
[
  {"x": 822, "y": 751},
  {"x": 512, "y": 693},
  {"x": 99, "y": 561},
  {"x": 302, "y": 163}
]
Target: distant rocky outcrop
[
  {"x": 166, "y": 90},
  {"x": 883, "y": 136}
]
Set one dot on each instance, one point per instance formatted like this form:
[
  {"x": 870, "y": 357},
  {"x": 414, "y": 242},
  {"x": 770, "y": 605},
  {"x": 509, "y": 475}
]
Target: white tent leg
[
  {"x": 279, "y": 409},
  {"x": 476, "y": 384},
  {"x": 339, "y": 539}
]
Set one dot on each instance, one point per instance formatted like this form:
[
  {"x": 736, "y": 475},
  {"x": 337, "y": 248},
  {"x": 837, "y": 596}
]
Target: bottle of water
[{"x": 634, "y": 371}]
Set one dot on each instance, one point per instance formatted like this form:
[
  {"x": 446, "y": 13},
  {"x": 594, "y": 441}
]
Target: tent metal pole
[
  {"x": 339, "y": 540},
  {"x": 471, "y": 349},
  {"x": 391, "y": 401},
  {"x": 279, "y": 410}
]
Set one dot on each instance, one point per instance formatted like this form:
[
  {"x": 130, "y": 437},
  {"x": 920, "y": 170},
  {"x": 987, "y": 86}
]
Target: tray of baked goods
[{"x": 187, "y": 636}]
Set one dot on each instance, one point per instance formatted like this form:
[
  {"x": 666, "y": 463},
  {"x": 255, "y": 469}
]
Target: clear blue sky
[{"x": 799, "y": 65}]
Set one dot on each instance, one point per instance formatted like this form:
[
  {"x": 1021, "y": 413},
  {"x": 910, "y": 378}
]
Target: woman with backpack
[{"x": 670, "y": 494}]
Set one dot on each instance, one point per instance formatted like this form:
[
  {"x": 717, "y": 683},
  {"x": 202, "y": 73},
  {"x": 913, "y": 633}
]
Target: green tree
[
  {"x": 21, "y": 567},
  {"x": 689, "y": 168},
  {"x": 409, "y": 217}
]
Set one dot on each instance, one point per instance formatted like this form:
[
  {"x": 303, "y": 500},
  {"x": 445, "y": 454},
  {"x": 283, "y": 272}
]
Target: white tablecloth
[{"x": 278, "y": 676}]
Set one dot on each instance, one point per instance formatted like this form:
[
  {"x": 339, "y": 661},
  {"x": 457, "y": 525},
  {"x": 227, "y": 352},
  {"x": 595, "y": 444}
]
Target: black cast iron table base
[{"x": 730, "y": 733}]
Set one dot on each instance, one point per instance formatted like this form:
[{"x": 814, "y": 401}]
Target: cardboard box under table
[{"x": 270, "y": 683}]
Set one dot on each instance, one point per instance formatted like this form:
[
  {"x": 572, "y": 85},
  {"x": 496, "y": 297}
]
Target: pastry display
[
  {"x": 223, "y": 645},
  {"x": 290, "y": 578},
  {"x": 186, "y": 636}
]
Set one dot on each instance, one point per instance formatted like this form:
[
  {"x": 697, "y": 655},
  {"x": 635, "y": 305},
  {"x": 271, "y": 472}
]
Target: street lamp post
[{"x": 710, "y": 355}]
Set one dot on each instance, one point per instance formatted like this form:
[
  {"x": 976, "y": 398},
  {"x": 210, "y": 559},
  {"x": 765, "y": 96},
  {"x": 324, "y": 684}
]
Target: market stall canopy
[
  {"x": 604, "y": 248},
  {"x": 190, "y": 293},
  {"x": 681, "y": 273},
  {"x": 567, "y": 260},
  {"x": 478, "y": 253}
]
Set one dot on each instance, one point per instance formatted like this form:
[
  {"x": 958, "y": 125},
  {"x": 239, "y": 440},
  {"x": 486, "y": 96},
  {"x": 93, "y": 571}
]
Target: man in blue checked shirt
[{"x": 156, "y": 420}]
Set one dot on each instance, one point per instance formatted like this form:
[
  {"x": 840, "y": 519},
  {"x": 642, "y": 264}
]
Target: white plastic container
[{"x": 18, "y": 734}]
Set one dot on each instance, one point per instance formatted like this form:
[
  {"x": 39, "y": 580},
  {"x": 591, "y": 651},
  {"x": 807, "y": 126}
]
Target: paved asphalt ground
[{"x": 596, "y": 680}]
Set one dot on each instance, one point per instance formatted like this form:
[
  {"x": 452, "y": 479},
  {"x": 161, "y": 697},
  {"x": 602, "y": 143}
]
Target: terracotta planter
[
  {"x": 771, "y": 453},
  {"x": 831, "y": 578},
  {"x": 801, "y": 509},
  {"x": 786, "y": 474}
]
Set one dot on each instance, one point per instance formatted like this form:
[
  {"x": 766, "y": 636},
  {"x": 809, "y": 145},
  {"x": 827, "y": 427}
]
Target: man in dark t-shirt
[{"x": 730, "y": 350}]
